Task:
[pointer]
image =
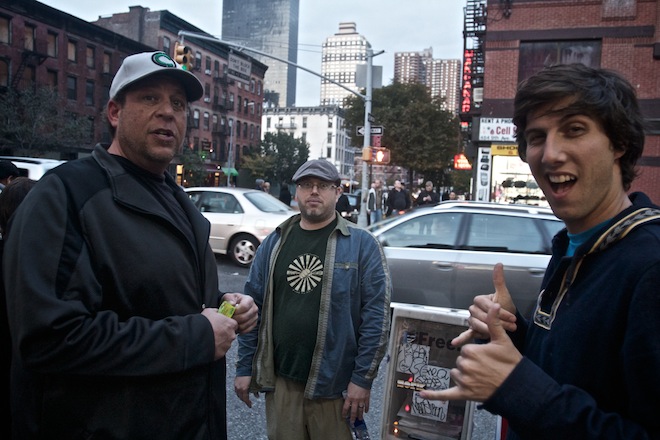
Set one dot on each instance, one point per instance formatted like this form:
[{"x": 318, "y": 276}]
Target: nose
[
  {"x": 553, "y": 150},
  {"x": 167, "y": 108}
]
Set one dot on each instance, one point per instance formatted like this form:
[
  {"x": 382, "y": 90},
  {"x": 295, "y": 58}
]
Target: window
[
  {"x": 505, "y": 234},
  {"x": 329, "y": 122},
  {"x": 252, "y": 106},
  {"x": 208, "y": 66},
  {"x": 195, "y": 123},
  {"x": 304, "y": 122},
  {"x": 89, "y": 92},
  {"x": 206, "y": 121},
  {"x": 51, "y": 44},
  {"x": 436, "y": 231},
  {"x": 534, "y": 55},
  {"x": 245, "y": 129},
  {"x": 329, "y": 138},
  {"x": 51, "y": 79},
  {"x": 251, "y": 131},
  {"x": 72, "y": 51},
  {"x": 72, "y": 88},
  {"x": 5, "y": 33},
  {"x": 30, "y": 32},
  {"x": 107, "y": 61},
  {"x": 91, "y": 57},
  {"x": 252, "y": 85},
  {"x": 28, "y": 78},
  {"x": 220, "y": 203},
  {"x": 167, "y": 45},
  {"x": 268, "y": 122},
  {"x": 259, "y": 88},
  {"x": 198, "y": 60},
  {"x": 215, "y": 122},
  {"x": 4, "y": 73}
]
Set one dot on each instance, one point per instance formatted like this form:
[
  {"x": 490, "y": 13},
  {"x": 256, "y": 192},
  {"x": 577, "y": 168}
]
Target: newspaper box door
[{"x": 421, "y": 357}]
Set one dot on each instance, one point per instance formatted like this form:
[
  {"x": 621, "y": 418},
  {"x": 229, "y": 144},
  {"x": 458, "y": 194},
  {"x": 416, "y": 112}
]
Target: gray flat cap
[{"x": 319, "y": 168}]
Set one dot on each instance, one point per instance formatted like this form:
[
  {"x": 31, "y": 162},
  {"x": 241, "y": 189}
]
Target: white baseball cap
[{"x": 143, "y": 65}]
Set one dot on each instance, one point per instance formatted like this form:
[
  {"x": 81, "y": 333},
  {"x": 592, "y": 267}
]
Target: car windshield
[{"x": 265, "y": 202}]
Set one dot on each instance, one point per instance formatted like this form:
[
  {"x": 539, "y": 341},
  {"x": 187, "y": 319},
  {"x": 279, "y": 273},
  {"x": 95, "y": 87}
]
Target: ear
[{"x": 113, "y": 113}]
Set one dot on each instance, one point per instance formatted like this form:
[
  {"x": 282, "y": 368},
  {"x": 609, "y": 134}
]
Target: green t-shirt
[{"x": 298, "y": 279}]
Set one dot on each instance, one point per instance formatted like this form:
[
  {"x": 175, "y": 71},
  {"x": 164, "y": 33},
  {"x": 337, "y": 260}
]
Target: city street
[{"x": 245, "y": 423}]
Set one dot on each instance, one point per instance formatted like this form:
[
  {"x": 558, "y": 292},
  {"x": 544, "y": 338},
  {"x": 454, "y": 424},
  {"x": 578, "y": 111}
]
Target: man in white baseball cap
[
  {"x": 143, "y": 65},
  {"x": 118, "y": 323}
]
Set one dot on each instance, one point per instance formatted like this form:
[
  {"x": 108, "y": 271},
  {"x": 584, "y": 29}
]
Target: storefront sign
[{"x": 497, "y": 129}]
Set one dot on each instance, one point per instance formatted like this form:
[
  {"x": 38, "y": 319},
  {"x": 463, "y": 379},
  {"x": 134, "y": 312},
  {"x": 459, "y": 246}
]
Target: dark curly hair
[{"x": 601, "y": 94}]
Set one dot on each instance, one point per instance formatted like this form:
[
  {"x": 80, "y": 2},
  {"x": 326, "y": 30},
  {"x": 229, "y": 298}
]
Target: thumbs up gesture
[
  {"x": 483, "y": 303},
  {"x": 481, "y": 368}
]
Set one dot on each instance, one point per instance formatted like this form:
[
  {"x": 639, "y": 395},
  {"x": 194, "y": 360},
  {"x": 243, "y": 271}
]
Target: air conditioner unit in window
[
  {"x": 207, "y": 99},
  {"x": 207, "y": 71}
]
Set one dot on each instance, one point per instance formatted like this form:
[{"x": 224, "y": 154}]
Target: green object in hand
[{"x": 227, "y": 309}]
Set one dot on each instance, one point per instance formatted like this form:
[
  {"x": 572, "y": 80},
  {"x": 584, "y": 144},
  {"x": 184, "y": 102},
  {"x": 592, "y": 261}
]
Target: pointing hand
[{"x": 481, "y": 368}]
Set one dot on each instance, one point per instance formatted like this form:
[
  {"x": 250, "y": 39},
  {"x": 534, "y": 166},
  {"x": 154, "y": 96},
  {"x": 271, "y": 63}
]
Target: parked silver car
[
  {"x": 444, "y": 255},
  {"x": 240, "y": 219}
]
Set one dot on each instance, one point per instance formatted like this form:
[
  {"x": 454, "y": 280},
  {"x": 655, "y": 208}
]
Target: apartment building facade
[
  {"x": 42, "y": 46},
  {"x": 341, "y": 53},
  {"x": 227, "y": 120},
  {"x": 508, "y": 41},
  {"x": 441, "y": 76},
  {"x": 323, "y": 128}
]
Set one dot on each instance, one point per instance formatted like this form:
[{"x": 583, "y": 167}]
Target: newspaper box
[{"x": 421, "y": 357}]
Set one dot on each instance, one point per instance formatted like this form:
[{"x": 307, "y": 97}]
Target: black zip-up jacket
[
  {"x": 104, "y": 297},
  {"x": 592, "y": 349}
]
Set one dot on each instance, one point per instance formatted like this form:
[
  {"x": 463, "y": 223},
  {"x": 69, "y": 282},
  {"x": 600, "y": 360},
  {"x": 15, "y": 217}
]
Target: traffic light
[
  {"x": 366, "y": 154},
  {"x": 381, "y": 155},
  {"x": 183, "y": 56}
]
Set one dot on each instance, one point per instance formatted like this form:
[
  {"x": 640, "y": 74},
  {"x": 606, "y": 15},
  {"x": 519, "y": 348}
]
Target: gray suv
[{"x": 444, "y": 255}]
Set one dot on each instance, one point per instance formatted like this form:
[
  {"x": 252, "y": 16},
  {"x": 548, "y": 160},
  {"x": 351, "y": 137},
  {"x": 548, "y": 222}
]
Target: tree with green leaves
[
  {"x": 35, "y": 119},
  {"x": 194, "y": 172},
  {"x": 421, "y": 136},
  {"x": 277, "y": 157}
]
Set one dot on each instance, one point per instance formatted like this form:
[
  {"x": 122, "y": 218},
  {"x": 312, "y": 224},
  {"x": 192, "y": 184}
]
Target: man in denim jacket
[{"x": 323, "y": 290}]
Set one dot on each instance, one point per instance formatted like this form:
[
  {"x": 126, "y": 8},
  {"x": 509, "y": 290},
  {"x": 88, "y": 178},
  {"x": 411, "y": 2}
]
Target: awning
[{"x": 229, "y": 171}]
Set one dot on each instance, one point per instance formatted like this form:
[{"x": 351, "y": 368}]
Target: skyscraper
[
  {"x": 441, "y": 76},
  {"x": 270, "y": 26},
  {"x": 341, "y": 53}
]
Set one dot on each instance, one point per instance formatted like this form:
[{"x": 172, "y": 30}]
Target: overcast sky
[{"x": 389, "y": 25}]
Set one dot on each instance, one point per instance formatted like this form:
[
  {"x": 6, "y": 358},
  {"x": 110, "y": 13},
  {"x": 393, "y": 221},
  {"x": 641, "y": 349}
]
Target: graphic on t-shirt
[{"x": 305, "y": 273}]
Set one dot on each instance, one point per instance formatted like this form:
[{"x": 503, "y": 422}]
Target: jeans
[{"x": 375, "y": 216}]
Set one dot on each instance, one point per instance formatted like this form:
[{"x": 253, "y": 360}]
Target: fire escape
[
  {"x": 28, "y": 57},
  {"x": 472, "y": 79},
  {"x": 221, "y": 105}
]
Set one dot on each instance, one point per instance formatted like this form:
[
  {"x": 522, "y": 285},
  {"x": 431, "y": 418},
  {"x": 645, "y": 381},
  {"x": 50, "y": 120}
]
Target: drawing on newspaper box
[{"x": 424, "y": 359}]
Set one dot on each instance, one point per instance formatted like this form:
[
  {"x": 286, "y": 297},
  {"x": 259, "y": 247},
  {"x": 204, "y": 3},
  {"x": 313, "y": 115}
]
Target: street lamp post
[
  {"x": 231, "y": 151},
  {"x": 362, "y": 217}
]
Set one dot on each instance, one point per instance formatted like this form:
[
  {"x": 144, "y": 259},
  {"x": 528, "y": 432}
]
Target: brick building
[
  {"x": 42, "y": 46},
  {"x": 227, "y": 120},
  {"x": 507, "y": 41}
]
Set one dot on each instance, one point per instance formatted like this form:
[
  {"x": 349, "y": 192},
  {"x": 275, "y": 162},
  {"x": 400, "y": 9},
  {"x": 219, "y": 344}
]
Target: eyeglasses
[{"x": 308, "y": 186}]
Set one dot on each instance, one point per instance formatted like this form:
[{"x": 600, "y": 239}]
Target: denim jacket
[{"x": 354, "y": 315}]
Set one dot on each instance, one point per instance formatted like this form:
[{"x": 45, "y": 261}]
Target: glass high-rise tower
[{"x": 270, "y": 26}]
